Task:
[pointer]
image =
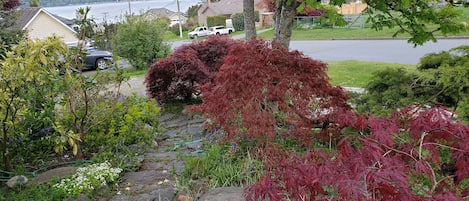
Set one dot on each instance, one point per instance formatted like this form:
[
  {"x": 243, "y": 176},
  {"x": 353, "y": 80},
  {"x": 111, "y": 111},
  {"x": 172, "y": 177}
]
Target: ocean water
[{"x": 116, "y": 11}]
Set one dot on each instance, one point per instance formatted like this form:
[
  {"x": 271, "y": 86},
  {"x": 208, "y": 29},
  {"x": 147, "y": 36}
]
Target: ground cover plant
[{"x": 316, "y": 147}]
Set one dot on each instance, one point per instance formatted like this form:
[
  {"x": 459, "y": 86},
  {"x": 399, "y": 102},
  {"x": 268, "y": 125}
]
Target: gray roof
[
  {"x": 25, "y": 15},
  {"x": 225, "y": 7},
  {"x": 160, "y": 12}
]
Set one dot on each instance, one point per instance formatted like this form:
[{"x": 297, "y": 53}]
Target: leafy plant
[
  {"x": 9, "y": 35},
  {"x": 181, "y": 74},
  {"x": 130, "y": 120},
  {"x": 266, "y": 92},
  {"x": 238, "y": 21},
  {"x": 389, "y": 90},
  {"x": 175, "y": 28},
  {"x": 216, "y": 20},
  {"x": 30, "y": 66},
  {"x": 446, "y": 74},
  {"x": 34, "y": 192},
  {"x": 141, "y": 41},
  {"x": 400, "y": 158}
]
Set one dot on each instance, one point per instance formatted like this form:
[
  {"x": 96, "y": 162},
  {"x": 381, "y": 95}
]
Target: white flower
[{"x": 89, "y": 178}]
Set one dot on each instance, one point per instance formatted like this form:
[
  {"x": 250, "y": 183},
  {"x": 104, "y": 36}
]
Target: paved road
[
  {"x": 393, "y": 51},
  {"x": 389, "y": 50}
]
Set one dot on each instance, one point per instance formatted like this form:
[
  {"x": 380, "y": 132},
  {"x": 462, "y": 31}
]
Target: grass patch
[
  {"x": 350, "y": 73},
  {"x": 134, "y": 73},
  {"x": 344, "y": 33},
  {"x": 170, "y": 36},
  {"x": 358, "y": 73}
]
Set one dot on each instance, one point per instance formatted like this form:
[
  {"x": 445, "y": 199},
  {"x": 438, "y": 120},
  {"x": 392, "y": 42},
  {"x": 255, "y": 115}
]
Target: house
[
  {"x": 40, "y": 24},
  {"x": 174, "y": 17},
  {"x": 353, "y": 8},
  {"x": 228, "y": 8}
]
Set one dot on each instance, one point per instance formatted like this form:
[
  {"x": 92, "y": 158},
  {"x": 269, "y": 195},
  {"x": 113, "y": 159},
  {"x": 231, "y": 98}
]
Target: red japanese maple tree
[
  {"x": 190, "y": 66},
  {"x": 263, "y": 91},
  {"x": 10, "y": 5},
  {"x": 414, "y": 155}
]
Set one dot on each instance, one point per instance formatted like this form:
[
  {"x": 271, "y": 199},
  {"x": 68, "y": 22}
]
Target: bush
[
  {"x": 122, "y": 122},
  {"x": 175, "y": 29},
  {"x": 389, "y": 90},
  {"x": 181, "y": 74},
  {"x": 216, "y": 21},
  {"x": 445, "y": 76},
  {"x": 266, "y": 92},
  {"x": 141, "y": 41},
  {"x": 238, "y": 21}
]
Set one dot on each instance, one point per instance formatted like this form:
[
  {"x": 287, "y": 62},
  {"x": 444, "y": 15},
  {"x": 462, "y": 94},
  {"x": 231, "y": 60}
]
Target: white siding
[{"x": 44, "y": 26}]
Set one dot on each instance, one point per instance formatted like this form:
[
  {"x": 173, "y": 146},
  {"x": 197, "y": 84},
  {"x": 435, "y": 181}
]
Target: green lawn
[
  {"x": 358, "y": 73},
  {"x": 342, "y": 73},
  {"x": 344, "y": 33}
]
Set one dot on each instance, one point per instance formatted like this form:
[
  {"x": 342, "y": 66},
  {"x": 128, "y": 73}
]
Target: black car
[
  {"x": 98, "y": 59},
  {"x": 95, "y": 58}
]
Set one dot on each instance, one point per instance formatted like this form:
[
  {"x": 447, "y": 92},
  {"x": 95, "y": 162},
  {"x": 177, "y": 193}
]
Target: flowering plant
[{"x": 88, "y": 178}]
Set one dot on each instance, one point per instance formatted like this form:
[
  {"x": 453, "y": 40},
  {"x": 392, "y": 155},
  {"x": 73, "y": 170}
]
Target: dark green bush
[
  {"x": 216, "y": 21},
  {"x": 388, "y": 90},
  {"x": 238, "y": 21}
]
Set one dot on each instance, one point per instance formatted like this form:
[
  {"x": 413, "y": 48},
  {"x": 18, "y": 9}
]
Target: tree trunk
[
  {"x": 249, "y": 19},
  {"x": 6, "y": 154},
  {"x": 286, "y": 12}
]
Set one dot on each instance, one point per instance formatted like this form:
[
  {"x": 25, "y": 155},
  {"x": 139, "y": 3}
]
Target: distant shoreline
[{"x": 52, "y": 3}]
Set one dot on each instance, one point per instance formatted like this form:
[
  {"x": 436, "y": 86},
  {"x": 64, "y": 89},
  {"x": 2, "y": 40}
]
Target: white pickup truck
[
  {"x": 198, "y": 32},
  {"x": 220, "y": 30},
  {"x": 204, "y": 31}
]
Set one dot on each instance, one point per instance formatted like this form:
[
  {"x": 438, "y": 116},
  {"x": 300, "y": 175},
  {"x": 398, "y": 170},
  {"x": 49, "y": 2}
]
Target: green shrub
[
  {"x": 175, "y": 28},
  {"x": 238, "y": 21},
  {"x": 131, "y": 120},
  {"x": 388, "y": 90},
  {"x": 141, "y": 41},
  {"x": 216, "y": 20}
]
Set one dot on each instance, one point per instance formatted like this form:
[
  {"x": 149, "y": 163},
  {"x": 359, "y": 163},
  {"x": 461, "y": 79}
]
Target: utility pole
[
  {"x": 130, "y": 10},
  {"x": 179, "y": 18}
]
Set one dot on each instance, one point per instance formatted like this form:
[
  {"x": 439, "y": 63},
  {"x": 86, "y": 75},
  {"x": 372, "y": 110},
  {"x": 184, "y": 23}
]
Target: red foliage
[
  {"x": 10, "y": 5},
  {"x": 370, "y": 167},
  {"x": 313, "y": 12},
  {"x": 190, "y": 66},
  {"x": 262, "y": 85}
]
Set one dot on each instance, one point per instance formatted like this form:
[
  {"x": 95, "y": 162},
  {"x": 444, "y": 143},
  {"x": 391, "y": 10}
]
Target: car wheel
[
  {"x": 101, "y": 64},
  {"x": 218, "y": 33},
  {"x": 229, "y": 32}
]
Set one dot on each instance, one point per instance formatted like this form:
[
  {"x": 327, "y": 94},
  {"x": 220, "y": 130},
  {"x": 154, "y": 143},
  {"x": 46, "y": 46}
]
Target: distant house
[
  {"x": 40, "y": 24},
  {"x": 165, "y": 13},
  {"x": 353, "y": 8},
  {"x": 227, "y": 8}
]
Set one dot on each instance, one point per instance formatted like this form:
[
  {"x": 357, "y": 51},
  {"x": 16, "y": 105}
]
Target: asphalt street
[{"x": 383, "y": 50}]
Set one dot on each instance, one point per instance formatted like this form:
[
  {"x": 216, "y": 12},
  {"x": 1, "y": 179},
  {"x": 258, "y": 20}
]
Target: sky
[{"x": 115, "y": 11}]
